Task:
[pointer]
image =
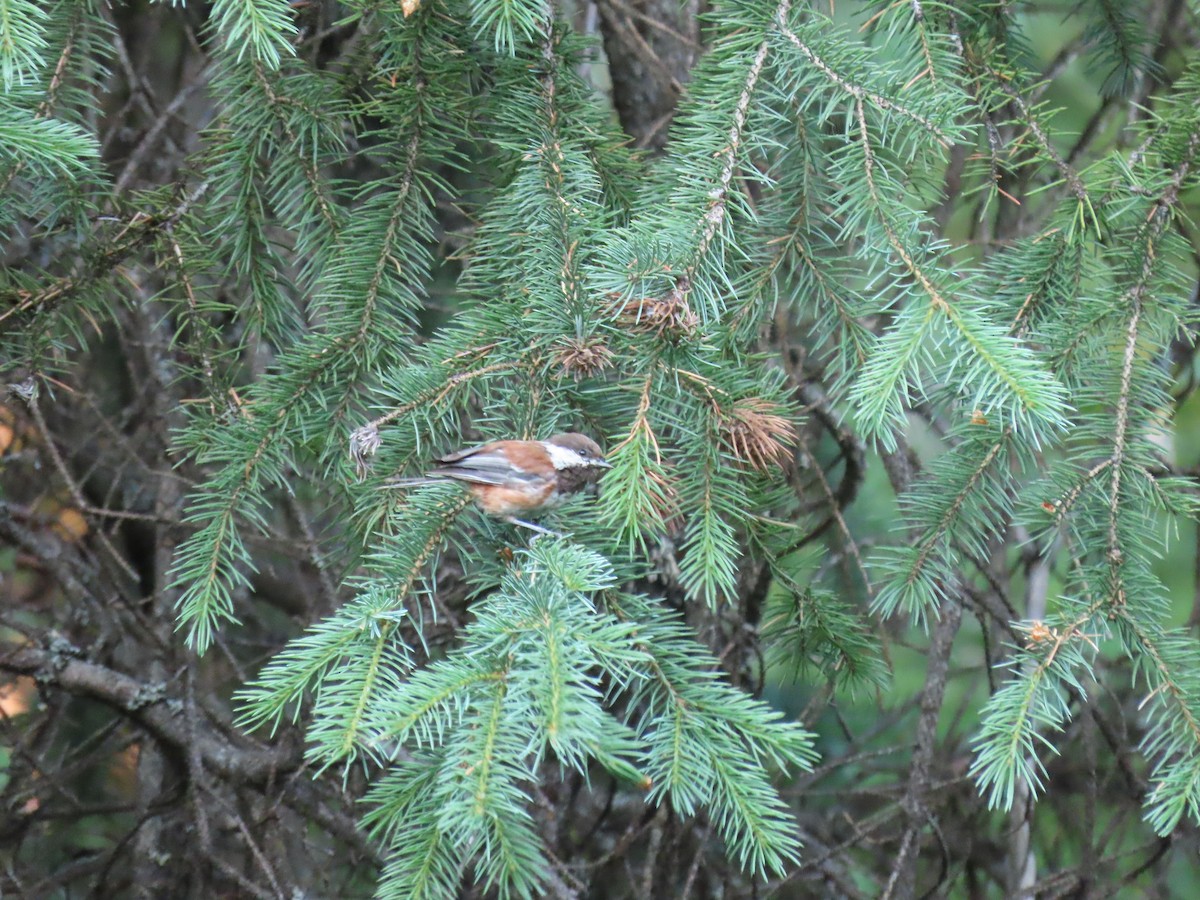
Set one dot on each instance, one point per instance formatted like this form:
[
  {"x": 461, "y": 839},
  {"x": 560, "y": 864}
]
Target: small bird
[{"x": 513, "y": 478}]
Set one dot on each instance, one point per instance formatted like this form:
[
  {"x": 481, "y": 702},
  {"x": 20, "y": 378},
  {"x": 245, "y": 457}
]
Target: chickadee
[{"x": 513, "y": 478}]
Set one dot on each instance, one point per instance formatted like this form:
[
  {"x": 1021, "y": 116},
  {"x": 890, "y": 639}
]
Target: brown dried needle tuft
[
  {"x": 666, "y": 316},
  {"x": 582, "y": 357},
  {"x": 756, "y": 432}
]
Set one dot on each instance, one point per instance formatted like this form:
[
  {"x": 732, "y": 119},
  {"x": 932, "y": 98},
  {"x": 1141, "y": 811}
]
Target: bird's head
[{"x": 575, "y": 451}]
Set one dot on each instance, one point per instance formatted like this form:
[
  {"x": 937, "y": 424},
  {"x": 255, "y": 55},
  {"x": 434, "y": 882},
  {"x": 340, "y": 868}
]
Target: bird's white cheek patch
[{"x": 562, "y": 457}]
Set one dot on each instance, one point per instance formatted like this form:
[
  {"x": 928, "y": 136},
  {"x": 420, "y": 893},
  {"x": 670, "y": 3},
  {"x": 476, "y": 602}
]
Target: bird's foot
[{"x": 541, "y": 532}]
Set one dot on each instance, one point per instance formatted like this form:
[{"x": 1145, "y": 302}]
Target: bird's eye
[{"x": 582, "y": 451}]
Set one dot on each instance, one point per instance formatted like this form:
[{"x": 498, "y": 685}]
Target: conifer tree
[{"x": 868, "y": 258}]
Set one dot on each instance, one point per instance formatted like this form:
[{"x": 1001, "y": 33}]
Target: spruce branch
[
  {"x": 639, "y": 496},
  {"x": 1060, "y": 508},
  {"x": 38, "y": 141},
  {"x": 62, "y": 66},
  {"x": 1121, "y": 37},
  {"x": 511, "y": 23},
  {"x": 364, "y": 629},
  {"x": 347, "y": 696},
  {"x": 437, "y": 395},
  {"x": 918, "y": 16},
  {"x": 719, "y": 195},
  {"x": 1006, "y": 745},
  {"x": 263, "y": 28},
  {"x": 425, "y": 863},
  {"x": 914, "y": 586},
  {"x": 1168, "y": 662},
  {"x": 203, "y": 336},
  {"x": 281, "y": 105},
  {"x": 810, "y": 628},
  {"x": 100, "y": 261},
  {"x": 1135, "y": 298},
  {"x": 1030, "y": 120},
  {"x": 1000, "y": 370},
  {"x": 858, "y": 92},
  {"x": 22, "y": 41},
  {"x": 333, "y": 360}
]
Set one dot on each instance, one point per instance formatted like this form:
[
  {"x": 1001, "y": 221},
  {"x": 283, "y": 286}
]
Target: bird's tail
[{"x": 417, "y": 481}]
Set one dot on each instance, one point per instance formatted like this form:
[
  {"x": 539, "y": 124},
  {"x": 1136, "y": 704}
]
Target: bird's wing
[
  {"x": 480, "y": 465},
  {"x": 463, "y": 454}
]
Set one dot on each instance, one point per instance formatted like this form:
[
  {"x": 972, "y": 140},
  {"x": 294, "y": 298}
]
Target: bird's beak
[{"x": 602, "y": 464}]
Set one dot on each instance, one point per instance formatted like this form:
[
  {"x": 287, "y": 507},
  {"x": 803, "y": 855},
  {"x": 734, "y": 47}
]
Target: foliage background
[{"x": 237, "y": 232}]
